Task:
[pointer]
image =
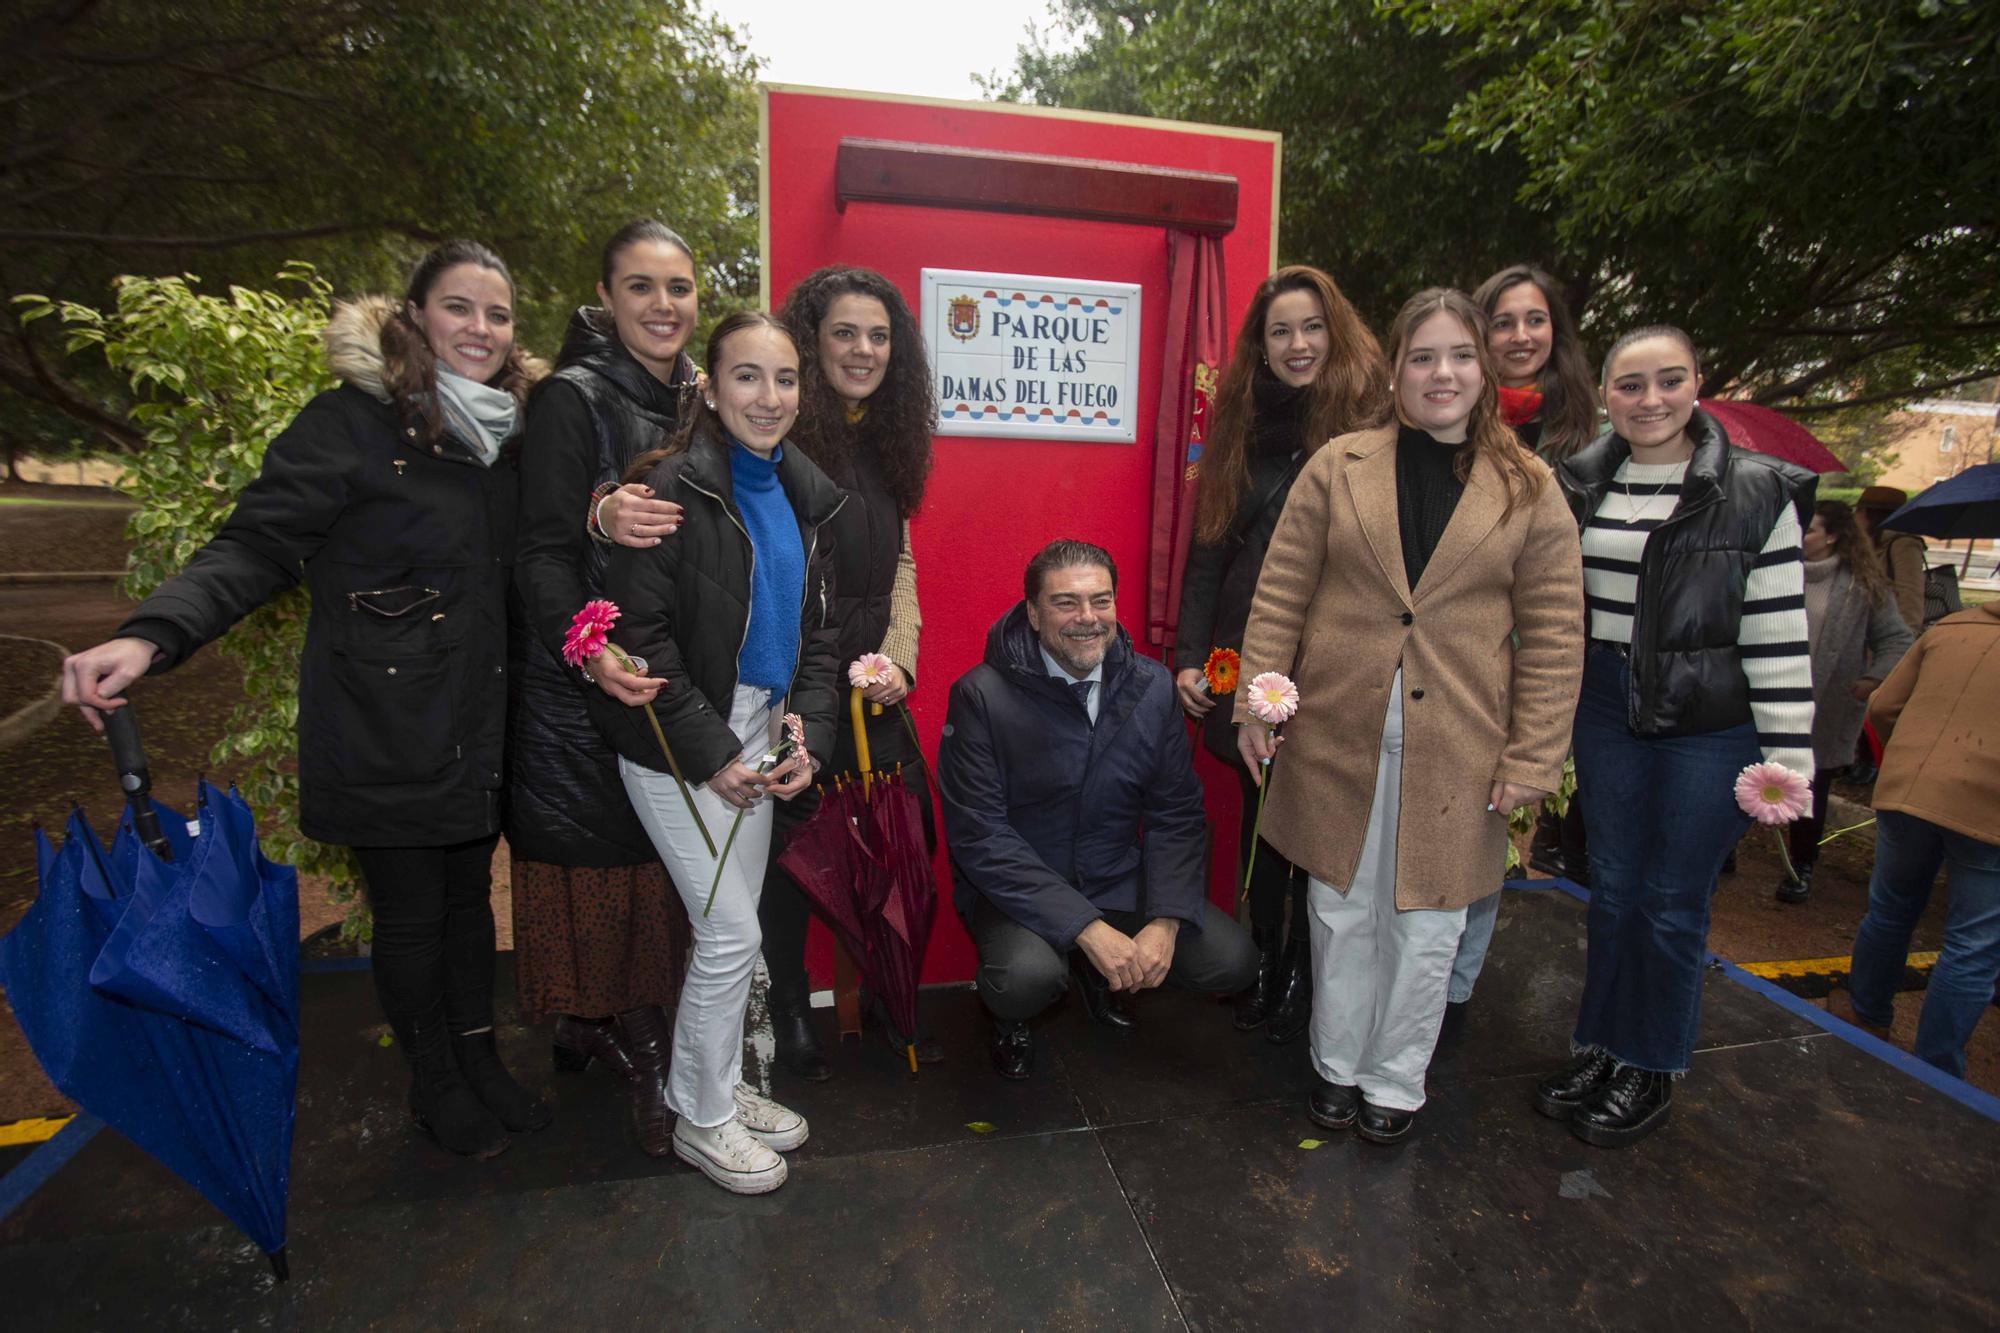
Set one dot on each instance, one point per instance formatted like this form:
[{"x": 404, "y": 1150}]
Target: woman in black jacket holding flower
[{"x": 1304, "y": 369}]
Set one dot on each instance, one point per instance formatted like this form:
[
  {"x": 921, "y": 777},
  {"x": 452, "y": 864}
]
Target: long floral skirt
[{"x": 596, "y": 942}]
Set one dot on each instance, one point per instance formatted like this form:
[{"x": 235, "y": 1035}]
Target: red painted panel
[{"x": 993, "y": 503}]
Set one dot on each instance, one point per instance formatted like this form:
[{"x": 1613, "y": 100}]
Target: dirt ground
[{"x": 183, "y": 714}]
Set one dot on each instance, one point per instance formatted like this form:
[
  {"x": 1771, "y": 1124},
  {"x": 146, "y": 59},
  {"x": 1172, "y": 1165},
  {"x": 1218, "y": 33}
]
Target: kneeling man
[{"x": 1074, "y": 814}]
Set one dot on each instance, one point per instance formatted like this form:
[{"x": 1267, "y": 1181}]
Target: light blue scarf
[{"x": 480, "y": 416}]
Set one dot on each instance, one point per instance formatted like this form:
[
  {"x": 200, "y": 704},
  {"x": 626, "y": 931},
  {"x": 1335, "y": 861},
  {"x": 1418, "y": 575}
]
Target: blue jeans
[
  {"x": 1661, "y": 815},
  {"x": 1908, "y": 852},
  {"x": 1472, "y": 947}
]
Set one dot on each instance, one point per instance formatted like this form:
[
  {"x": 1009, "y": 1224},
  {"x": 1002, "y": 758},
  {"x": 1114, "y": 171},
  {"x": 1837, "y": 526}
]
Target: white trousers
[
  {"x": 708, "y": 1032},
  {"x": 1379, "y": 974}
]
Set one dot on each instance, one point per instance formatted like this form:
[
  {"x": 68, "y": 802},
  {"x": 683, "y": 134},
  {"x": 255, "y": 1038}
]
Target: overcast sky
[{"x": 928, "y": 48}]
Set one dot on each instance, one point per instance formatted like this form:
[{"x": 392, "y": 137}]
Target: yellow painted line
[
  {"x": 31, "y": 1131},
  {"x": 1813, "y": 967}
]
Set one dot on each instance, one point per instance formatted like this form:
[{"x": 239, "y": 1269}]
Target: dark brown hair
[
  {"x": 409, "y": 367},
  {"x": 1486, "y": 432},
  {"x": 1645, "y": 333},
  {"x": 902, "y": 410},
  {"x": 701, "y": 417},
  {"x": 1065, "y": 553},
  {"x": 1852, "y": 547},
  {"x": 1350, "y": 392},
  {"x": 1569, "y": 395},
  {"x": 629, "y": 235}
]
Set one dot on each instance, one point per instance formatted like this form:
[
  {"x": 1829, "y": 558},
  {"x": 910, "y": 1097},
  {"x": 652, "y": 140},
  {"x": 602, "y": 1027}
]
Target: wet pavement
[{"x": 1159, "y": 1180}]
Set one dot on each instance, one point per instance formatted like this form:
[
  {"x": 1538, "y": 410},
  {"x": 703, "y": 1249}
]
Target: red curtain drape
[{"x": 1196, "y": 344}]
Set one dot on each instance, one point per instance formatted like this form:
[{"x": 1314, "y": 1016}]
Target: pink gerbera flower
[
  {"x": 1772, "y": 794},
  {"x": 1273, "y": 698},
  {"x": 589, "y": 631},
  {"x": 869, "y": 669}
]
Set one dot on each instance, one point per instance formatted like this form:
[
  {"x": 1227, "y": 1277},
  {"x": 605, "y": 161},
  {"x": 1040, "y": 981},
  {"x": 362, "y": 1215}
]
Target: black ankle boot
[
  {"x": 1798, "y": 887},
  {"x": 1013, "y": 1049},
  {"x": 1631, "y": 1104},
  {"x": 1558, "y": 1095},
  {"x": 650, "y": 1045},
  {"x": 578, "y": 1041},
  {"x": 1098, "y": 1000},
  {"x": 478, "y": 1059},
  {"x": 791, "y": 1025},
  {"x": 1254, "y": 1004},
  {"x": 442, "y": 1103},
  {"x": 1292, "y": 1013},
  {"x": 1545, "y": 852}
]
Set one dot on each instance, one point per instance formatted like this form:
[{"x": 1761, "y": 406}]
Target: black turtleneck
[{"x": 1427, "y": 492}]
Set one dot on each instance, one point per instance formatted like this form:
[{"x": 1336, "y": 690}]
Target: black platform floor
[{"x": 1152, "y": 1182}]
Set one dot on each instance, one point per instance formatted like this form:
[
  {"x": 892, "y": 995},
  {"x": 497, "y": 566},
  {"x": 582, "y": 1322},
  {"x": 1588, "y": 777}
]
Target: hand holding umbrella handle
[{"x": 121, "y": 728}]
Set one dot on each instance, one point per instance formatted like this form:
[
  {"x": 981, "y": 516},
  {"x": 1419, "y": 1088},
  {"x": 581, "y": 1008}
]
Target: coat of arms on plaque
[{"x": 963, "y": 321}]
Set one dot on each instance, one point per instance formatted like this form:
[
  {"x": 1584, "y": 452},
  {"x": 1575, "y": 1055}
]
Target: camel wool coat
[{"x": 1491, "y": 646}]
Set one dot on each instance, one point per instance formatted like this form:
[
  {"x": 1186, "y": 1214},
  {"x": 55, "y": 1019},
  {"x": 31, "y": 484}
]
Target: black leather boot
[
  {"x": 1254, "y": 1003},
  {"x": 1382, "y": 1124},
  {"x": 578, "y": 1041},
  {"x": 1098, "y": 1000},
  {"x": 442, "y": 1103},
  {"x": 650, "y": 1045},
  {"x": 1292, "y": 1013},
  {"x": 791, "y": 1026},
  {"x": 1558, "y": 1095},
  {"x": 1333, "y": 1105},
  {"x": 1797, "y": 888},
  {"x": 1013, "y": 1049},
  {"x": 478, "y": 1059},
  {"x": 1631, "y": 1104},
  {"x": 875, "y": 1014},
  {"x": 1545, "y": 852}
]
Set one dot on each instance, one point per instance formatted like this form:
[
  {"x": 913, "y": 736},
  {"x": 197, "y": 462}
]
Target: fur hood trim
[{"x": 354, "y": 336}]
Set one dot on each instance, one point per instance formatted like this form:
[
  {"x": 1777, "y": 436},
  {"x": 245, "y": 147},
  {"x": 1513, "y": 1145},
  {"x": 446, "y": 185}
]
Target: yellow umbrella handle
[{"x": 860, "y": 739}]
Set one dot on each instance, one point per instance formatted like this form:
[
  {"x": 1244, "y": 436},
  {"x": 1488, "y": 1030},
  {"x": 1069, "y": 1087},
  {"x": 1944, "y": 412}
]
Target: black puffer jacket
[
  {"x": 586, "y": 423},
  {"x": 1687, "y": 676},
  {"x": 405, "y": 547},
  {"x": 686, "y": 608}
]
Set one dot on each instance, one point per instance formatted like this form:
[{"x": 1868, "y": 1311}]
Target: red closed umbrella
[{"x": 1766, "y": 431}]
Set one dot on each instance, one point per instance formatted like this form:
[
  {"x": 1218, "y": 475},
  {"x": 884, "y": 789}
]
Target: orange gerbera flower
[{"x": 1220, "y": 671}]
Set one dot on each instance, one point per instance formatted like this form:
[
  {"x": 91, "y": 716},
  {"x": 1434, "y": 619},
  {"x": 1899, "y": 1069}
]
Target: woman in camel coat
[{"x": 1430, "y": 705}]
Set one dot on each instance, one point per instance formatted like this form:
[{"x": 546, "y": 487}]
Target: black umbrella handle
[{"x": 121, "y": 728}]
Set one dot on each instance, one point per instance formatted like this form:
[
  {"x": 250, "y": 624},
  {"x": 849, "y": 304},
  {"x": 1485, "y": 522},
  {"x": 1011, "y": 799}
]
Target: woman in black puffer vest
[
  {"x": 1305, "y": 369},
  {"x": 865, "y": 414},
  {"x": 598, "y": 930}
]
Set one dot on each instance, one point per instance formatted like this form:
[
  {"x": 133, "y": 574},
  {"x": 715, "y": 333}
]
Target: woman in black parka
[
  {"x": 865, "y": 416},
  {"x": 1304, "y": 369},
  {"x": 598, "y": 930},
  {"x": 392, "y": 498}
]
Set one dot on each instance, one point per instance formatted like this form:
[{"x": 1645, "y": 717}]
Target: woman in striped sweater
[{"x": 1694, "y": 593}]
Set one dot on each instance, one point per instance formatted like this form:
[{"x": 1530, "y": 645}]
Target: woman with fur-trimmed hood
[{"x": 391, "y": 498}]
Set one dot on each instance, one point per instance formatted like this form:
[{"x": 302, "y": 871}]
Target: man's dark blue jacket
[{"x": 1056, "y": 822}]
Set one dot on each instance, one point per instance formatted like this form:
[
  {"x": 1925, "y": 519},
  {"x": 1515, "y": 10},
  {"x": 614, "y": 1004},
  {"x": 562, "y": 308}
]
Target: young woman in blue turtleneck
[{"x": 734, "y": 614}]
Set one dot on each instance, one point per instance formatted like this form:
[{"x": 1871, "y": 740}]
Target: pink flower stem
[
  {"x": 1257, "y": 827},
  {"x": 673, "y": 764},
  {"x": 1784, "y": 852},
  {"x": 736, "y": 824}
]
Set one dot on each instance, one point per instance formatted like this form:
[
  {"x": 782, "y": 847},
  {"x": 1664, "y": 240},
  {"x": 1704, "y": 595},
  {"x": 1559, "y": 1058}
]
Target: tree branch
[
  {"x": 1887, "y": 396},
  {"x": 23, "y": 370},
  {"x": 137, "y": 242}
]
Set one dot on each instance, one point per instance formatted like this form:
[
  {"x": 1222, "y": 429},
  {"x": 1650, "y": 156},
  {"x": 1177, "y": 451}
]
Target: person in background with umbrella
[
  {"x": 1697, "y": 666},
  {"x": 865, "y": 417},
  {"x": 599, "y": 934},
  {"x": 1857, "y": 638},
  {"x": 392, "y": 498},
  {"x": 735, "y": 614},
  {"x": 1903, "y": 554},
  {"x": 1937, "y": 803},
  {"x": 1549, "y": 397},
  {"x": 1304, "y": 369}
]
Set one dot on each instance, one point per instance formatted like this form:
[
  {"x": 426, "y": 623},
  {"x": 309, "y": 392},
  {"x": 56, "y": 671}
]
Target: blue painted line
[
  {"x": 1975, "y": 1099},
  {"x": 34, "y": 1170}
]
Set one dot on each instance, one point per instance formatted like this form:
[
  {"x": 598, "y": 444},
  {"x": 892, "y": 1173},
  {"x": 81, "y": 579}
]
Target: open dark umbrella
[
  {"x": 1766, "y": 431},
  {"x": 153, "y": 993},
  {"x": 1967, "y": 505}
]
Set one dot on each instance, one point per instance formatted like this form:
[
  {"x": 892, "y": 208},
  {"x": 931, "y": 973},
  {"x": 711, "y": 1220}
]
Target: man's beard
[{"x": 1081, "y": 654}]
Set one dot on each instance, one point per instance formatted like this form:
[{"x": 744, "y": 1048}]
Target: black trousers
[
  {"x": 1275, "y": 876},
  {"x": 1803, "y": 836},
  {"x": 1020, "y": 974},
  {"x": 433, "y": 947}
]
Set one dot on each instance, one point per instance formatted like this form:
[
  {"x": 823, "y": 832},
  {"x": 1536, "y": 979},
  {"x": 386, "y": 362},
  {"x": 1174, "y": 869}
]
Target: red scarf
[{"x": 1519, "y": 406}]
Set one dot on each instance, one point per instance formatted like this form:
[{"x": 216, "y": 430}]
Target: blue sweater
[{"x": 778, "y": 576}]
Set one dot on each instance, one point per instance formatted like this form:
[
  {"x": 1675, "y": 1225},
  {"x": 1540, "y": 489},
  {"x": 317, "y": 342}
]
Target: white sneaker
[
  {"x": 774, "y": 1125},
  {"x": 730, "y": 1156}
]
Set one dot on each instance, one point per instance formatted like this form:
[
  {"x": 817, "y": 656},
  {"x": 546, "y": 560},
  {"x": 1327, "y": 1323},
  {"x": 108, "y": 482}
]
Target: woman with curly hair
[
  {"x": 391, "y": 498},
  {"x": 865, "y": 415},
  {"x": 1304, "y": 369}
]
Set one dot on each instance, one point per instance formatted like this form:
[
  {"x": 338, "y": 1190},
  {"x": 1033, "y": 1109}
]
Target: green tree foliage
[
  {"x": 231, "y": 135},
  {"x": 213, "y": 379}
]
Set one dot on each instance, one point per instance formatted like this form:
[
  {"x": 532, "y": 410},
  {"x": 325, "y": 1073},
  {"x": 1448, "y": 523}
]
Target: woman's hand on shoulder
[
  {"x": 95, "y": 678},
  {"x": 1192, "y": 686},
  {"x": 633, "y": 516}
]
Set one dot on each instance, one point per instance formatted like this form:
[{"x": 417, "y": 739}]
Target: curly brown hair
[
  {"x": 1853, "y": 548},
  {"x": 896, "y": 430},
  {"x": 409, "y": 367},
  {"x": 1350, "y": 392},
  {"x": 1487, "y": 432},
  {"x": 1569, "y": 392}
]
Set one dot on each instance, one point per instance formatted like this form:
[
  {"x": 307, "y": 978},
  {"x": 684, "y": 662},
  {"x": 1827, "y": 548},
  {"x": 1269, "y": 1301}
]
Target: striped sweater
[{"x": 1771, "y": 637}]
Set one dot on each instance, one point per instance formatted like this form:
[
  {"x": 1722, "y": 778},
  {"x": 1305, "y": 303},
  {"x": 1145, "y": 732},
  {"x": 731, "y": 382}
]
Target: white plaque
[{"x": 1033, "y": 358}]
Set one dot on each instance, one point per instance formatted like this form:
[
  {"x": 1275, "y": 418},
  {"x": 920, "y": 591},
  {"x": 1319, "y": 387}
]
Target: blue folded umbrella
[
  {"x": 1967, "y": 505},
  {"x": 163, "y": 999}
]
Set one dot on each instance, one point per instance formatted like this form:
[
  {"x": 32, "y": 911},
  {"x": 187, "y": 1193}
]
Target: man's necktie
[{"x": 1082, "y": 688}]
